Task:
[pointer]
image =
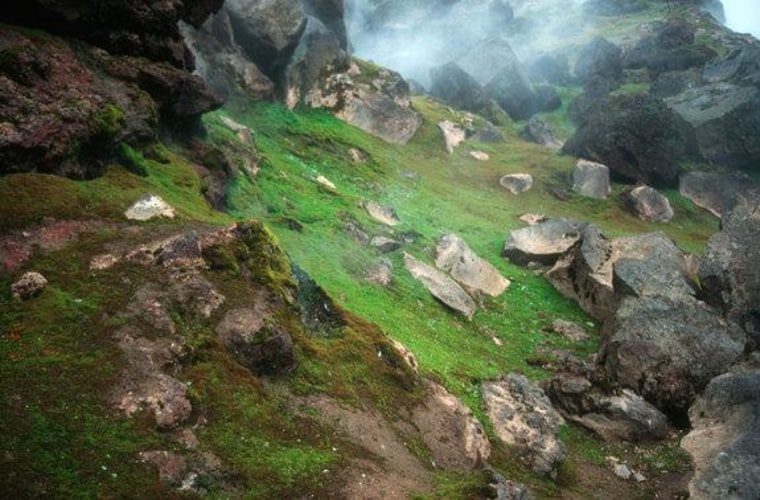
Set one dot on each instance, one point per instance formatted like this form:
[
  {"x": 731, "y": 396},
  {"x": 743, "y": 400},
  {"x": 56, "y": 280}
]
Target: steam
[{"x": 743, "y": 16}]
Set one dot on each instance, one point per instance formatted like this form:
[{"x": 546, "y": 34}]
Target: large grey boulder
[
  {"x": 600, "y": 62},
  {"x": 729, "y": 272},
  {"x": 725, "y": 437},
  {"x": 454, "y": 86},
  {"x": 638, "y": 137},
  {"x": 648, "y": 204},
  {"x": 591, "y": 179},
  {"x": 543, "y": 243},
  {"x": 522, "y": 416},
  {"x": 441, "y": 286},
  {"x": 472, "y": 272},
  {"x": 717, "y": 192},
  {"x": 667, "y": 349},
  {"x": 267, "y": 30}
]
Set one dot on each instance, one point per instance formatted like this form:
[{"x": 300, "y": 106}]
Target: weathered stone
[
  {"x": 196, "y": 295},
  {"x": 381, "y": 272},
  {"x": 171, "y": 466},
  {"x": 517, "y": 183},
  {"x": 262, "y": 348},
  {"x": 480, "y": 155},
  {"x": 717, "y": 192},
  {"x": 408, "y": 356},
  {"x": 725, "y": 437},
  {"x": 149, "y": 207},
  {"x": 523, "y": 416},
  {"x": 453, "y": 136},
  {"x": 532, "y": 219},
  {"x": 569, "y": 330},
  {"x": 385, "y": 244},
  {"x": 453, "y": 435},
  {"x": 543, "y": 243},
  {"x": 29, "y": 285},
  {"x": 472, "y": 272},
  {"x": 647, "y": 204},
  {"x": 381, "y": 213},
  {"x": 454, "y": 86},
  {"x": 600, "y": 60},
  {"x": 591, "y": 179},
  {"x": 542, "y": 133},
  {"x": 441, "y": 286}
]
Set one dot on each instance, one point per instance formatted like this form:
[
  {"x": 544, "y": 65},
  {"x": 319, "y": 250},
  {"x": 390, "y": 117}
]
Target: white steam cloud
[{"x": 743, "y": 16}]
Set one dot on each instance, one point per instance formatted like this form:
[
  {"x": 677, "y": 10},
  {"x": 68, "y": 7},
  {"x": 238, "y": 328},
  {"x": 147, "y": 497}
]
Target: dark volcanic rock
[
  {"x": 729, "y": 272},
  {"x": 637, "y": 136}
]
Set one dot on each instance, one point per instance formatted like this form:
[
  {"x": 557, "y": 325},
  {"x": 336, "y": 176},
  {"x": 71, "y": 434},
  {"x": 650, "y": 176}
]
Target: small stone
[
  {"x": 639, "y": 477},
  {"x": 532, "y": 219},
  {"x": 480, "y": 155},
  {"x": 623, "y": 472},
  {"x": 103, "y": 261},
  {"x": 326, "y": 183},
  {"x": 149, "y": 207},
  {"x": 381, "y": 213},
  {"x": 29, "y": 285},
  {"x": 385, "y": 244},
  {"x": 357, "y": 156},
  {"x": 517, "y": 183},
  {"x": 453, "y": 136}
]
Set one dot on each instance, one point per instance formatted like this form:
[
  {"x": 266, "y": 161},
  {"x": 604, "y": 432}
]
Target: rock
[
  {"x": 722, "y": 116},
  {"x": 326, "y": 184},
  {"x": 319, "y": 313},
  {"x": 667, "y": 349},
  {"x": 638, "y": 137},
  {"x": 488, "y": 58},
  {"x": 551, "y": 68},
  {"x": 29, "y": 285},
  {"x": 600, "y": 60},
  {"x": 591, "y": 179},
  {"x": 543, "y": 243},
  {"x": 647, "y": 204},
  {"x": 332, "y": 14},
  {"x": 381, "y": 213},
  {"x": 441, "y": 286},
  {"x": 455, "y": 438},
  {"x": 385, "y": 244},
  {"x": 514, "y": 93},
  {"x": 532, "y": 219},
  {"x": 623, "y": 472},
  {"x": 725, "y": 437},
  {"x": 729, "y": 273},
  {"x": 267, "y": 31},
  {"x": 196, "y": 295},
  {"x": 358, "y": 156},
  {"x": 164, "y": 396},
  {"x": 408, "y": 356},
  {"x": 454, "y": 86},
  {"x": 715, "y": 191},
  {"x": 569, "y": 330},
  {"x": 613, "y": 417},
  {"x": 542, "y": 133},
  {"x": 381, "y": 273},
  {"x": 517, "y": 183},
  {"x": 522, "y": 416},
  {"x": 473, "y": 273},
  {"x": 149, "y": 207},
  {"x": 260, "y": 347},
  {"x": 489, "y": 134},
  {"x": 453, "y": 136},
  {"x": 171, "y": 466},
  {"x": 480, "y": 155}
]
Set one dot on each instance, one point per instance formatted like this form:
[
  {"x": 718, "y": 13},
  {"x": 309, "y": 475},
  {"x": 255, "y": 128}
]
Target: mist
[{"x": 743, "y": 16}]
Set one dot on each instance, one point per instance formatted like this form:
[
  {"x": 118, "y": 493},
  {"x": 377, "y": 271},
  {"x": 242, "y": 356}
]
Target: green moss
[{"x": 109, "y": 120}]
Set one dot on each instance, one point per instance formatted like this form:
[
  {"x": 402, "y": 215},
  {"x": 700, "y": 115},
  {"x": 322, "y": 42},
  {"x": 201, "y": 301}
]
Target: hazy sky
[{"x": 743, "y": 16}]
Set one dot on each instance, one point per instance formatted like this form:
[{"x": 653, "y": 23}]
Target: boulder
[
  {"x": 441, "y": 286},
  {"x": 667, "y": 349},
  {"x": 454, "y": 86},
  {"x": 29, "y": 285},
  {"x": 514, "y": 93},
  {"x": 550, "y": 68},
  {"x": 472, "y": 272},
  {"x": 725, "y": 437},
  {"x": 522, "y": 416},
  {"x": 638, "y": 137},
  {"x": 729, "y": 274},
  {"x": 517, "y": 183},
  {"x": 490, "y": 57},
  {"x": 453, "y": 136},
  {"x": 149, "y": 207},
  {"x": 385, "y": 244},
  {"x": 262, "y": 348},
  {"x": 542, "y": 133},
  {"x": 613, "y": 417},
  {"x": 381, "y": 213},
  {"x": 647, "y": 204},
  {"x": 543, "y": 243},
  {"x": 455, "y": 438},
  {"x": 380, "y": 272},
  {"x": 267, "y": 31},
  {"x": 591, "y": 179},
  {"x": 331, "y": 13},
  {"x": 600, "y": 60},
  {"x": 480, "y": 155},
  {"x": 717, "y": 192},
  {"x": 489, "y": 134}
]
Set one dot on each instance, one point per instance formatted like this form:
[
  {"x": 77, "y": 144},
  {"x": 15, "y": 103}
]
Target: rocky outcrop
[
  {"x": 441, "y": 286},
  {"x": 522, "y": 416},
  {"x": 149, "y": 207},
  {"x": 472, "y": 272},
  {"x": 717, "y": 192},
  {"x": 725, "y": 437},
  {"x": 647, "y": 204},
  {"x": 543, "y": 243},
  {"x": 638, "y": 137},
  {"x": 591, "y": 179},
  {"x": 729, "y": 273}
]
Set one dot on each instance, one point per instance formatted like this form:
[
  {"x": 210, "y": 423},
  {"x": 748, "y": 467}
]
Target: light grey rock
[
  {"x": 385, "y": 244},
  {"x": 453, "y": 135},
  {"x": 591, "y": 179},
  {"x": 441, "y": 286},
  {"x": 623, "y": 472},
  {"x": 472, "y": 272},
  {"x": 517, "y": 183},
  {"x": 28, "y": 285},
  {"x": 569, "y": 330},
  {"x": 543, "y": 243},
  {"x": 647, "y": 203},
  {"x": 381, "y": 272},
  {"x": 382, "y": 213},
  {"x": 149, "y": 207},
  {"x": 717, "y": 192},
  {"x": 523, "y": 416}
]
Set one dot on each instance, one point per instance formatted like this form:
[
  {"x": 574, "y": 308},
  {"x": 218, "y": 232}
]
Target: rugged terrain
[{"x": 240, "y": 260}]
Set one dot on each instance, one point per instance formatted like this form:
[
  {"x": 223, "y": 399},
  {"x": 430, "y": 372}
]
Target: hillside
[{"x": 272, "y": 337}]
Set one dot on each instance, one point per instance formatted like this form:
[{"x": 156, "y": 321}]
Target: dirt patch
[{"x": 16, "y": 248}]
